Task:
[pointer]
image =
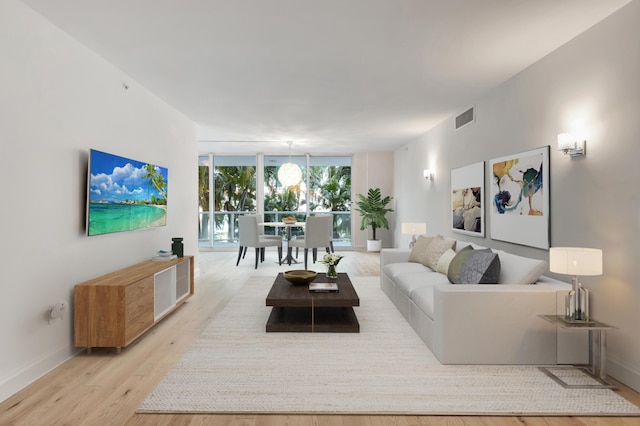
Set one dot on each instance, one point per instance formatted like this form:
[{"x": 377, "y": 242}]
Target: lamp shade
[
  {"x": 575, "y": 261},
  {"x": 414, "y": 228},
  {"x": 289, "y": 174},
  {"x": 565, "y": 141}
]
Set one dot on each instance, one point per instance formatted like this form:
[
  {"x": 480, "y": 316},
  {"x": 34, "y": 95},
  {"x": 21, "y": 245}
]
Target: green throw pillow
[{"x": 455, "y": 267}]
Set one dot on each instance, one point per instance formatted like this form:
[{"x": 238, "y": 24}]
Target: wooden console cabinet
[{"x": 115, "y": 309}]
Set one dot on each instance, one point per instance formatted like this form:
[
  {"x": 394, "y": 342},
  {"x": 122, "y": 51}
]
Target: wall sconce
[
  {"x": 572, "y": 144},
  {"x": 413, "y": 229},
  {"x": 428, "y": 174},
  {"x": 576, "y": 261}
]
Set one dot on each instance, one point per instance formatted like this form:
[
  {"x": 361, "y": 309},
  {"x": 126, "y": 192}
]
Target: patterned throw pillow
[
  {"x": 435, "y": 250},
  {"x": 481, "y": 267},
  {"x": 419, "y": 249}
]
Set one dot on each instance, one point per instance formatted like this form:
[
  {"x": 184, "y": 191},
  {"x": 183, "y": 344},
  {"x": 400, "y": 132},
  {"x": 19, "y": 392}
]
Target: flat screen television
[{"x": 124, "y": 194}]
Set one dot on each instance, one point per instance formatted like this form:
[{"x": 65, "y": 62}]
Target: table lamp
[
  {"x": 576, "y": 261},
  {"x": 413, "y": 229}
]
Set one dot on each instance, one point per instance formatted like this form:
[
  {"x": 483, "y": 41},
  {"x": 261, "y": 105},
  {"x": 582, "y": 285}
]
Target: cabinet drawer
[
  {"x": 138, "y": 289},
  {"x": 134, "y": 309},
  {"x": 135, "y": 327}
]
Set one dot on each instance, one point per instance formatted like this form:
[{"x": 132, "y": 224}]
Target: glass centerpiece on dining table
[{"x": 331, "y": 260}]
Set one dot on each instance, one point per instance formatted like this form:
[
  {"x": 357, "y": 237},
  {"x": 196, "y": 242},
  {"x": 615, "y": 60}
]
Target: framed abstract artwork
[
  {"x": 519, "y": 211},
  {"x": 467, "y": 205}
]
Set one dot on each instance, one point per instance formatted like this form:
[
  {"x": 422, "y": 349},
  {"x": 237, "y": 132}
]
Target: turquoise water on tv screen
[{"x": 105, "y": 218}]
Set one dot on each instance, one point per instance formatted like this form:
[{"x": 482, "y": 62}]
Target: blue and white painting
[{"x": 520, "y": 198}]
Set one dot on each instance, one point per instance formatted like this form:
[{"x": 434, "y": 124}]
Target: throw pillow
[
  {"x": 435, "y": 250},
  {"x": 455, "y": 267},
  {"x": 444, "y": 261},
  {"x": 519, "y": 269},
  {"x": 419, "y": 249},
  {"x": 481, "y": 267}
]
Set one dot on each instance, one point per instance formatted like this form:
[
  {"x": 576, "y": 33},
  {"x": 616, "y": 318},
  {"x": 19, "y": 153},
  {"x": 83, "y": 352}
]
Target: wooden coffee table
[{"x": 296, "y": 309}]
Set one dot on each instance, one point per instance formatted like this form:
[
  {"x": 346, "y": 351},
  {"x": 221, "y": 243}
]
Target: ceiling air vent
[{"x": 469, "y": 116}]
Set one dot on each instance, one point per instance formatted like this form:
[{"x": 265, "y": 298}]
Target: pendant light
[{"x": 289, "y": 174}]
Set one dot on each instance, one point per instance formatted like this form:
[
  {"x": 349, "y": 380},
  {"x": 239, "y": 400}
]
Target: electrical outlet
[{"x": 58, "y": 311}]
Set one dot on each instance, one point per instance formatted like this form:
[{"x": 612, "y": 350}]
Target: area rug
[{"x": 236, "y": 367}]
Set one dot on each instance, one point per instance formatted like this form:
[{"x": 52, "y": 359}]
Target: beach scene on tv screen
[{"x": 124, "y": 194}]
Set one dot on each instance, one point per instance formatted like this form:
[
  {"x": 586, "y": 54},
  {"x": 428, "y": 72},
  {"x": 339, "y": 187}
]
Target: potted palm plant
[{"x": 373, "y": 209}]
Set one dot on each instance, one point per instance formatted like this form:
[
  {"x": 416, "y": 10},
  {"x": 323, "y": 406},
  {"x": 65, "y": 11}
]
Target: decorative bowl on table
[
  {"x": 299, "y": 276},
  {"x": 289, "y": 220},
  {"x": 165, "y": 253}
]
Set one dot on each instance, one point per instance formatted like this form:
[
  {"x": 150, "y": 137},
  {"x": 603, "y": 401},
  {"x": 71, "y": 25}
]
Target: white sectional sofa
[{"x": 483, "y": 323}]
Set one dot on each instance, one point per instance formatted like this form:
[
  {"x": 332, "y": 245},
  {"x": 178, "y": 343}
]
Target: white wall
[
  {"x": 372, "y": 170},
  {"x": 58, "y": 100},
  {"x": 595, "y": 202}
]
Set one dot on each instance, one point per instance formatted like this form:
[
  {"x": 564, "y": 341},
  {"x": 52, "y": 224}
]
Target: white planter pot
[{"x": 374, "y": 245}]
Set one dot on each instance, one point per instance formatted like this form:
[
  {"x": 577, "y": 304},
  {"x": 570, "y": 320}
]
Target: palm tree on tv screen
[{"x": 157, "y": 181}]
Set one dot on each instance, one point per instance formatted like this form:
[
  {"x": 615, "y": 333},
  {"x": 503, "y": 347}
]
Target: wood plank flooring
[{"x": 105, "y": 389}]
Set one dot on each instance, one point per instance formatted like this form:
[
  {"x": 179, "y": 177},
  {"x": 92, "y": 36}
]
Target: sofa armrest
[
  {"x": 393, "y": 255},
  {"x": 498, "y": 324}
]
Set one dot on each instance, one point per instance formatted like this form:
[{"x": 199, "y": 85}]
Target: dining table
[{"x": 289, "y": 259}]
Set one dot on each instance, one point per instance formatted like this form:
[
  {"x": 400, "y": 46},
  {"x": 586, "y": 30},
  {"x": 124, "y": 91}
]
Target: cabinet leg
[
  {"x": 89, "y": 351},
  {"x": 118, "y": 350}
]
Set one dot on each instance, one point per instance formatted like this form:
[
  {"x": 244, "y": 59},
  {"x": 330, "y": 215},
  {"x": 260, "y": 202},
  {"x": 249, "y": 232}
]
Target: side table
[{"x": 597, "y": 352}]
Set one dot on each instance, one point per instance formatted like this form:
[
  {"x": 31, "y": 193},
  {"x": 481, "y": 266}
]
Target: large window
[{"x": 228, "y": 187}]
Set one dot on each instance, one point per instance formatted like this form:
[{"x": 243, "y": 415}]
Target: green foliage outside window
[{"x": 235, "y": 191}]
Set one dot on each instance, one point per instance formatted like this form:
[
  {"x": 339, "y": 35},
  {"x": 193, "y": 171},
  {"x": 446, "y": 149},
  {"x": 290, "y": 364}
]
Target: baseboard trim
[
  {"x": 623, "y": 372},
  {"x": 31, "y": 372}
]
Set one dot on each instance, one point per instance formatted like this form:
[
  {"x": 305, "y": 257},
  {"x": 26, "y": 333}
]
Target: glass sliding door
[
  {"x": 326, "y": 188},
  {"x": 234, "y": 183},
  {"x": 330, "y": 192},
  {"x": 204, "y": 201},
  {"x": 226, "y": 189}
]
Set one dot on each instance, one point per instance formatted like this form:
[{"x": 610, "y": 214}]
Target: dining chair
[
  {"x": 315, "y": 236},
  {"x": 250, "y": 237},
  {"x": 261, "y": 233},
  {"x": 330, "y": 223},
  {"x": 329, "y": 230}
]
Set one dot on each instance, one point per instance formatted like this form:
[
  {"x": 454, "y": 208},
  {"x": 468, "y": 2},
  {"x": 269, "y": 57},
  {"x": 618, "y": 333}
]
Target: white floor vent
[{"x": 467, "y": 117}]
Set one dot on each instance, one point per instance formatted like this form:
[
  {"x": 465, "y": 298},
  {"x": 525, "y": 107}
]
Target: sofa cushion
[
  {"x": 423, "y": 298},
  {"x": 435, "y": 250},
  {"x": 393, "y": 270},
  {"x": 481, "y": 267},
  {"x": 419, "y": 249},
  {"x": 455, "y": 266},
  {"x": 445, "y": 261},
  {"x": 410, "y": 281},
  {"x": 518, "y": 269}
]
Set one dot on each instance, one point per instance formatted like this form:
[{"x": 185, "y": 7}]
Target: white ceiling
[{"x": 330, "y": 75}]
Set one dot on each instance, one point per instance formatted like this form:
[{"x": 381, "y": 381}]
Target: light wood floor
[{"x": 105, "y": 389}]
